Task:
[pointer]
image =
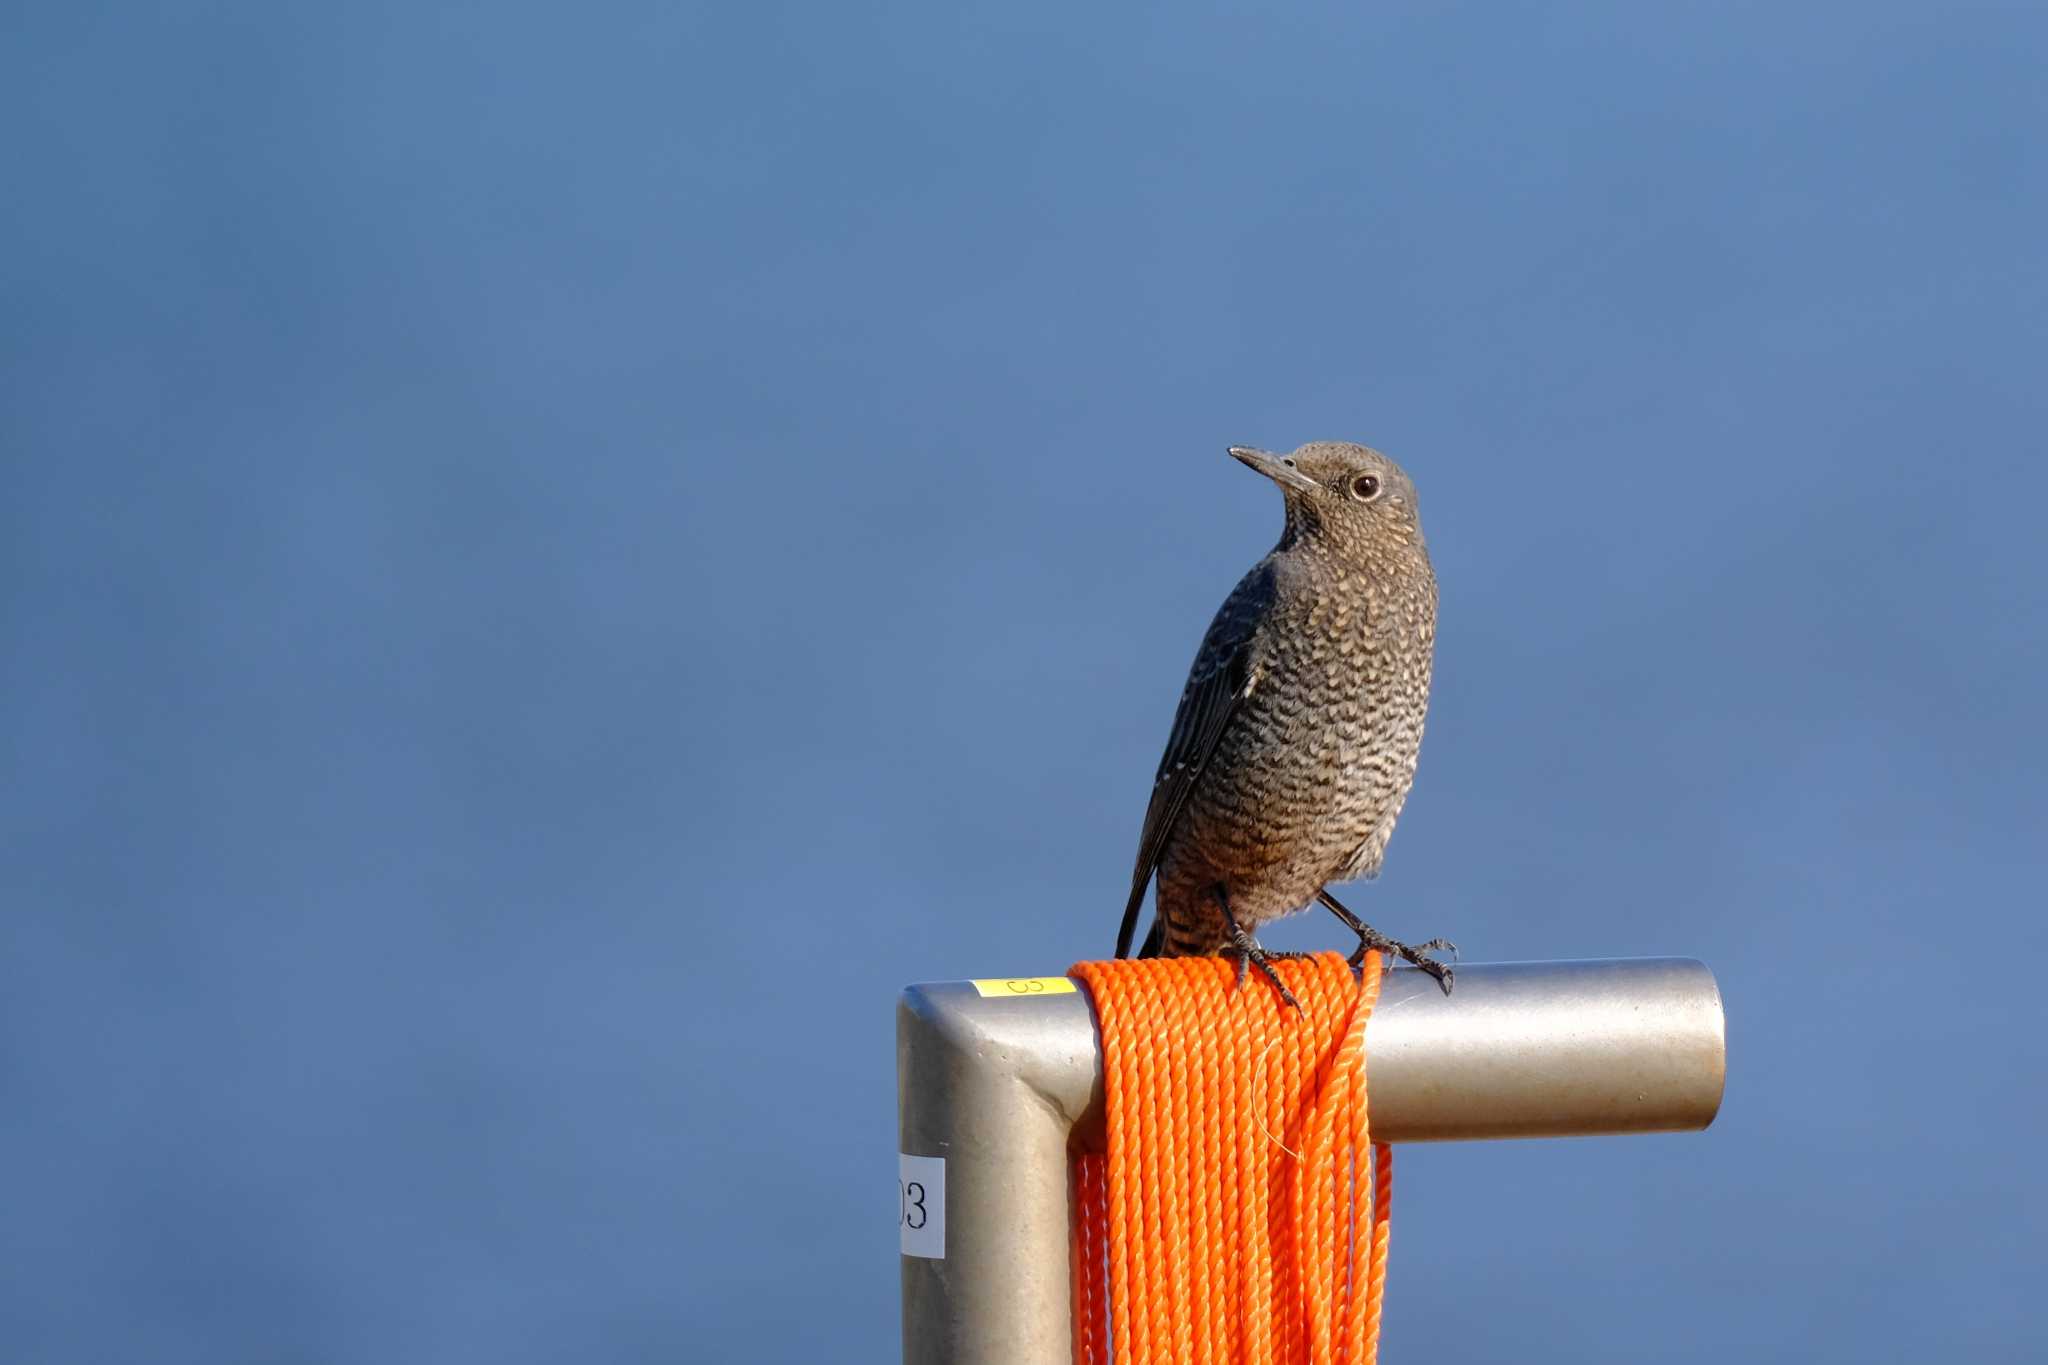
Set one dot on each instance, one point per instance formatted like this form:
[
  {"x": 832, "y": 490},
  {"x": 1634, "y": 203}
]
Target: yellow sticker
[{"x": 1024, "y": 985}]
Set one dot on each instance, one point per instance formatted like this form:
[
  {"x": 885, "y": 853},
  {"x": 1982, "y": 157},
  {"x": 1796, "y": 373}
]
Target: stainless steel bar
[{"x": 1005, "y": 1089}]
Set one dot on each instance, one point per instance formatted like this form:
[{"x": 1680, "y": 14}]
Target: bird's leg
[
  {"x": 1247, "y": 951},
  {"x": 1372, "y": 940}
]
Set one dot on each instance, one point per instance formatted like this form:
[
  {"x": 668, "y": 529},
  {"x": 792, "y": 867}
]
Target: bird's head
[{"x": 1349, "y": 498}]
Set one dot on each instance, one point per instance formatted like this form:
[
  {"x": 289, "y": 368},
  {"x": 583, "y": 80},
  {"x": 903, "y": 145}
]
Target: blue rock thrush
[{"x": 1296, "y": 738}]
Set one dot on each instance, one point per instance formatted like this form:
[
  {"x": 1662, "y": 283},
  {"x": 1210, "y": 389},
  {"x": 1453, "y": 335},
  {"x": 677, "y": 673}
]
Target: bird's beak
[{"x": 1280, "y": 471}]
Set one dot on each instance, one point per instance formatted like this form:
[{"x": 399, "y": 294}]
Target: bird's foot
[
  {"x": 1247, "y": 951},
  {"x": 1372, "y": 940}
]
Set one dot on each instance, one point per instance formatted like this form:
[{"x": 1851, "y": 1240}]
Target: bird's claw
[
  {"x": 1417, "y": 954},
  {"x": 1247, "y": 951}
]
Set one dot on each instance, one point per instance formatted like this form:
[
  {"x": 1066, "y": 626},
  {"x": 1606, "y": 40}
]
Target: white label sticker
[{"x": 923, "y": 1216}]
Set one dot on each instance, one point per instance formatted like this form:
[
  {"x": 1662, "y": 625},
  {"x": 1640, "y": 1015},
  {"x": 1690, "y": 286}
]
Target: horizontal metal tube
[
  {"x": 1547, "y": 1049},
  {"x": 1005, "y": 1089}
]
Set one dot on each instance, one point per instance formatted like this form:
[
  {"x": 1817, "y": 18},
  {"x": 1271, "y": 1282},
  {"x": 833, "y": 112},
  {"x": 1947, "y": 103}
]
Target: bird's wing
[{"x": 1220, "y": 679}]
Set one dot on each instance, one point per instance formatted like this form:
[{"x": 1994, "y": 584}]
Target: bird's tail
[{"x": 1155, "y": 940}]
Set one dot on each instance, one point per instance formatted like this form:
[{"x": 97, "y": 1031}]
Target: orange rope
[{"x": 1222, "y": 1222}]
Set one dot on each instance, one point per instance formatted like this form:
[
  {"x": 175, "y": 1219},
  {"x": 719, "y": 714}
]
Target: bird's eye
[{"x": 1365, "y": 487}]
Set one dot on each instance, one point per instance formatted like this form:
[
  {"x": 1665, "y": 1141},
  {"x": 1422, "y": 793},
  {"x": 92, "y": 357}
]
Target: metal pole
[{"x": 995, "y": 1093}]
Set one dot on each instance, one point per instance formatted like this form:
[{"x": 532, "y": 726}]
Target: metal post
[{"x": 1001, "y": 1090}]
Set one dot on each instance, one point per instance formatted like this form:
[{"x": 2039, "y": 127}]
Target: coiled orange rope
[{"x": 1223, "y": 1224}]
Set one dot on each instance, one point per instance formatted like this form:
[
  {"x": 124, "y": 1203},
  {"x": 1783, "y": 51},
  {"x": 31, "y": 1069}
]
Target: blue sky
[{"x": 550, "y": 561}]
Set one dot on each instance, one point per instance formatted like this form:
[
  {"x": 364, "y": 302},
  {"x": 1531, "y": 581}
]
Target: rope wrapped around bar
[{"x": 1240, "y": 1211}]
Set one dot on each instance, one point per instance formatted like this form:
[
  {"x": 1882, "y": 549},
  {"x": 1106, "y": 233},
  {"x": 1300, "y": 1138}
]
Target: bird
[{"x": 1295, "y": 742}]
